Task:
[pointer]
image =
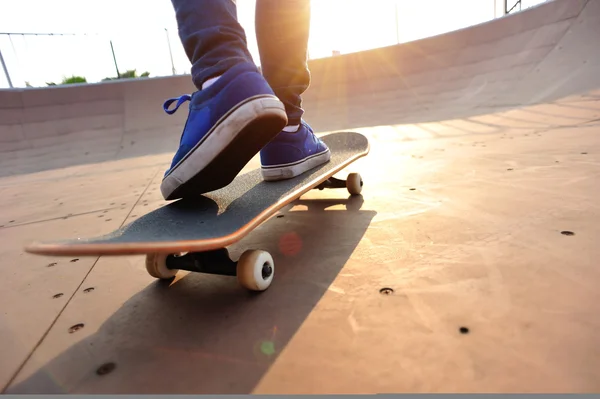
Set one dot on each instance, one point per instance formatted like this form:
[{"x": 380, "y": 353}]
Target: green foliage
[
  {"x": 74, "y": 79},
  {"x": 129, "y": 74},
  {"x": 69, "y": 80}
]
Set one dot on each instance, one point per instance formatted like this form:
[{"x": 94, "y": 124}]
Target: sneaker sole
[
  {"x": 224, "y": 151},
  {"x": 291, "y": 170}
]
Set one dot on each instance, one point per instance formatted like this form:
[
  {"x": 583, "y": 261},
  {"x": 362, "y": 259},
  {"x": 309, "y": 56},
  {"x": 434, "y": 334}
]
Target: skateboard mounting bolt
[
  {"x": 76, "y": 327},
  {"x": 106, "y": 368}
]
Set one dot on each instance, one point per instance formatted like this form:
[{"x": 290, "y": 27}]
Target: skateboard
[{"x": 193, "y": 234}]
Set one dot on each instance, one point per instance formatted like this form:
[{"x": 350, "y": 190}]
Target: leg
[
  {"x": 212, "y": 38},
  {"x": 282, "y": 31},
  {"x": 232, "y": 116}
]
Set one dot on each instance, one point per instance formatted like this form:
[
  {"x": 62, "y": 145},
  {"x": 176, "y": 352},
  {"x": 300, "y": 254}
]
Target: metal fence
[{"x": 40, "y": 59}]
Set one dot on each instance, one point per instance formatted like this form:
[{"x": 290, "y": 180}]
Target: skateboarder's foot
[
  {"x": 293, "y": 153},
  {"x": 228, "y": 123}
]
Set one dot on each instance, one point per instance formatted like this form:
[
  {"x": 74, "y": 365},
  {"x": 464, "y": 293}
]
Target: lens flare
[{"x": 290, "y": 244}]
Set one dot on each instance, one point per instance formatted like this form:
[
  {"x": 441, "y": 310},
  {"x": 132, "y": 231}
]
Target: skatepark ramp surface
[
  {"x": 469, "y": 263},
  {"x": 536, "y": 56}
]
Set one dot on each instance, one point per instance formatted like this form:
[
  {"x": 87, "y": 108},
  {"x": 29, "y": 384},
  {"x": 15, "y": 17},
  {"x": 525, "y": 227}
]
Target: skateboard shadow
[{"x": 205, "y": 334}]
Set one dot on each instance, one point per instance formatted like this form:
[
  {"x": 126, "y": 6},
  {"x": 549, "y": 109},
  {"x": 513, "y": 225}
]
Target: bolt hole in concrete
[
  {"x": 57, "y": 295},
  {"x": 412, "y": 189},
  {"x": 463, "y": 330},
  {"x": 584, "y": 153},
  {"x": 106, "y": 368},
  {"x": 51, "y": 264},
  {"x": 74, "y": 260},
  {"x": 567, "y": 233},
  {"x": 88, "y": 290},
  {"x": 279, "y": 216},
  {"x": 76, "y": 327},
  {"x": 386, "y": 291}
]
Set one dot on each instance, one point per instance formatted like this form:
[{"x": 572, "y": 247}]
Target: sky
[{"x": 141, "y": 32}]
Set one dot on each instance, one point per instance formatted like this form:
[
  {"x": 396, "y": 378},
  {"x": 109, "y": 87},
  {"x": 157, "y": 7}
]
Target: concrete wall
[
  {"x": 538, "y": 55},
  {"x": 104, "y": 121}
]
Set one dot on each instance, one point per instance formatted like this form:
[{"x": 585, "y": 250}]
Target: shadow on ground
[{"x": 206, "y": 334}]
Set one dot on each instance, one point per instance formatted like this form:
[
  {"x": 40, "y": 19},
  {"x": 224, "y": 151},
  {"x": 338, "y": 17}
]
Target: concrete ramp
[
  {"x": 469, "y": 264},
  {"x": 543, "y": 54}
]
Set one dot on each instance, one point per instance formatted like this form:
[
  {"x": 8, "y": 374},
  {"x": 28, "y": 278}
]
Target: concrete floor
[{"x": 454, "y": 272}]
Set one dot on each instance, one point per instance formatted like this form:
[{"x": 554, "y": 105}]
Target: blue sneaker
[
  {"x": 228, "y": 123},
  {"x": 293, "y": 153}
]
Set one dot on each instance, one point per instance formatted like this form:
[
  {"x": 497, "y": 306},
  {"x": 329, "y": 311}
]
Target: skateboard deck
[{"x": 208, "y": 223}]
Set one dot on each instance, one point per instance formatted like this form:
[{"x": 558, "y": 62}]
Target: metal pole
[
  {"x": 6, "y": 71},
  {"x": 517, "y": 3},
  {"x": 397, "y": 23},
  {"x": 170, "y": 52},
  {"x": 115, "y": 59}
]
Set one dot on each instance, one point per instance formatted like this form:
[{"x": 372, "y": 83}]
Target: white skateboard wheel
[
  {"x": 354, "y": 183},
  {"x": 255, "y": 270},
  {"x": 156, "y": 265}
]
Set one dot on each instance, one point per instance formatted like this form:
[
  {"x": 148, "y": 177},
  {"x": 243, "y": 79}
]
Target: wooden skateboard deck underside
[{"x": 216, "y": 219}]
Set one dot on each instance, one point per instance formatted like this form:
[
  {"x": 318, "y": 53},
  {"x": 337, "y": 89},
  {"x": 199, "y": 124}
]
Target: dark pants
[{"x": 214, "y": 41}]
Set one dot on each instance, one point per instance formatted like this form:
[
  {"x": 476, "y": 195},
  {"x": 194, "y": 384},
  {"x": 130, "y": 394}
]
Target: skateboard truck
[
  {"x": 353, "y": 183},
  {"x": 254, "y": 270},
  {"x": 209, "y": 262}
]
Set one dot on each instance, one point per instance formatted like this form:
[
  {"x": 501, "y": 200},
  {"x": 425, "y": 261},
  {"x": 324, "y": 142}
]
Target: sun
[
  {"x": 337, "y": 25},
  {"x": 351, "y": 25}
]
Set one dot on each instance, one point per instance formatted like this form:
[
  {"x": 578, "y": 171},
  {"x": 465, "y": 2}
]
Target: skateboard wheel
[
  {"x": 156, "y": 265},
  {"x": 354, "y": 183},
  {"x": 255, "y": 270}
]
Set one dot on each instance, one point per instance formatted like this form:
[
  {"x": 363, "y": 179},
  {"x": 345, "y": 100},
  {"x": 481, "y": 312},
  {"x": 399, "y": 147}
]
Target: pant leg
[
  {"x": 282, "y": 31},
  {"x": 213, "y": 39}
]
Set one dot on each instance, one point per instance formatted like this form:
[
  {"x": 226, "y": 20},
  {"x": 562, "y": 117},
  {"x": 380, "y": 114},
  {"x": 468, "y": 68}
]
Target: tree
[
  {"x": 70, "y": 80},
  {"x": 129, "y": 74}
]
